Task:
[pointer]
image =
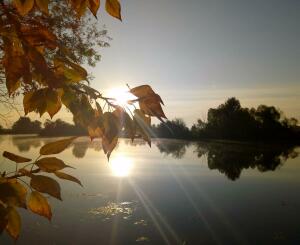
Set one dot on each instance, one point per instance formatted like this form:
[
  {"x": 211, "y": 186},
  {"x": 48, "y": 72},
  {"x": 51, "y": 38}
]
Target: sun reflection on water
[{"x": 121, "y": 166}]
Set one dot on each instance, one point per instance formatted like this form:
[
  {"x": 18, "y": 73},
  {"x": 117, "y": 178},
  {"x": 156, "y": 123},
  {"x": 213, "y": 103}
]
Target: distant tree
[
  {"x": 25, "y": 126},
  {"x": 176, "y": 129},
  {"x": 231, "y": 121},
  {"x": 61, "y": 128}
]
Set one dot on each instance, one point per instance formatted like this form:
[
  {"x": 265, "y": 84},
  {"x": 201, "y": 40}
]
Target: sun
[
  {"x": 121, "y": 96},
  {"x": 121, "y": 166}
]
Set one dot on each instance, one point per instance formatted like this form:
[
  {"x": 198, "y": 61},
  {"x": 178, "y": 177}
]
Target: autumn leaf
[
  {"x": 79, "y": 6},
  {"x": 38, "y": 204},
  {"x": 94, "y": 6},
  {"x": 13, "y": 227},
  {"x": 56, "y": 147},
  {"x": 13, "y": 193},
  {"x": 109, "y": 145},
  {"x": 15, "y": 158},
  {"x": 51, "y": 164},
  {"x": 46, "y": 185},
  {"x": 43, "y": 5},
  {"x": 23, "y": 6},
  {"x": 3, "y": 217},
  {"x": 113, "y": 7},
  {"x": 142, "y": 123},
  {"x": 65, "y": 176}
]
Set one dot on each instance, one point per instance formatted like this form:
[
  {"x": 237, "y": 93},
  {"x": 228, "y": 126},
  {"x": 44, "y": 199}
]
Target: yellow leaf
[
  {"x": 51, "y": 164},
  {"x": 23, "y": 6},
  {"x": 13, "y": 193},
  {"x": 14, "y": 223},
  {"x": 113, "y": 7},
  {"x": 53, "y": 102},
  {"x": 56, "y": 147},
  {"x": 15, "y": 158},
  {"x": 43, "y": 5},
  {"x": 65, "y": 176},
  {"x": 94, "y": 6},
  {"x": 46, "y": 185},
  {"x": 38, "y": 204}
]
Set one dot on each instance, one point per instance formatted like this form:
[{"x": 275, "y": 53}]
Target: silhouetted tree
[
  {"x": 176, "y": 129},
  {"x": 25, "y": 126},
  {"x": 231, "y": 121},
  {"x": 61, "y": 128}
]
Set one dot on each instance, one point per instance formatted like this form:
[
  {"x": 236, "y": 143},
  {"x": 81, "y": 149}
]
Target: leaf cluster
[{"x": 27, "y": 185}]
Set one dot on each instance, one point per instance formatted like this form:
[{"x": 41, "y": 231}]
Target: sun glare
[
  {"x": 121, "y": 96},
  {"x": 121, "y": 166}
]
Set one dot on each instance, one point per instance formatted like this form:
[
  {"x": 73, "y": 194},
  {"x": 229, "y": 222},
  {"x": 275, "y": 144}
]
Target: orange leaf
[
  {"x": 43, "y": 5},
  {"x": 13, "y": 193},
  {"x": 113, "y": 7},
  {"x": 94, "y": 6},
  {"x": 23, "y": 6}
]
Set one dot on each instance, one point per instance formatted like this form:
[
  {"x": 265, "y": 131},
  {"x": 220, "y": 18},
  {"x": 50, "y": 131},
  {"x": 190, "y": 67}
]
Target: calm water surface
[{"x": 175, "y": 192}]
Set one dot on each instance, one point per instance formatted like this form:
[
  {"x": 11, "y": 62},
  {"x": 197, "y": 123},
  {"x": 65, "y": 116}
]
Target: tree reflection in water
[
  {"x": 232, "y": 158},
  {"x": 229, "y": 158}
]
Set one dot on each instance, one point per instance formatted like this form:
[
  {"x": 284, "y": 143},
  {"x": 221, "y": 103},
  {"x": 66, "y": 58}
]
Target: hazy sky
[{"x": 197, "y": 53}]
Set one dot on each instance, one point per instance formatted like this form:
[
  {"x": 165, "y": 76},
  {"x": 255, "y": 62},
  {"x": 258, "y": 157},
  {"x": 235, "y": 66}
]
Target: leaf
[
  {"x": 142, "y": 91},
  {"x": 51, "y": 164},
  {"x": 142, "y": 123},
  {"x": 15, "y": 158},
  {"x": 43, "y": 5},
  {"x": 109, "y": 145},
  {"x": 151, "y": 106},
  {"x": 56, "y": 147},
  {"x": 79, "y": 6},
  {"x": 3, "y": 218},
  {"x": 113, "y": 7},
  {"x": 38, "y": 204},
  {"x": 13, "y": 193},
  {"x": 65, "y": 176},
  {"x": 46, "y": 185},
  {"x": 23, "y": 6},
  {"x": 94, "y": 6},
  {"x": 14, "y": 223}
]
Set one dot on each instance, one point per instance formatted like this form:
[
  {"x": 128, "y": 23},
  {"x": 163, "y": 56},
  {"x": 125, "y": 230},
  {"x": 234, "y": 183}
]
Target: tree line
[{"x": 229, "y": 121}]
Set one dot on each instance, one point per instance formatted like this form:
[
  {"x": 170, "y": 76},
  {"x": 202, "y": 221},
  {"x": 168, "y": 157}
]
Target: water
[{"x": 175, "y": 192}]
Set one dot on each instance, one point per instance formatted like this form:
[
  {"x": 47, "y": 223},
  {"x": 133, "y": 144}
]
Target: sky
[{"x": 198, "y": 53}]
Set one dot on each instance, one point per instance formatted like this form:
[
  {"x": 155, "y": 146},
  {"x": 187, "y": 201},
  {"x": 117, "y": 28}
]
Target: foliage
[
  {"x": 231, "y": 121},
  {"x": 37, "y": 60},
  {"x": 17, "y": 193}
]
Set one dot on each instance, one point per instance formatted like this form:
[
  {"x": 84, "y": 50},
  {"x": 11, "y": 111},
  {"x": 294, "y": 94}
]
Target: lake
[{"x": 175, "y": 192}]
